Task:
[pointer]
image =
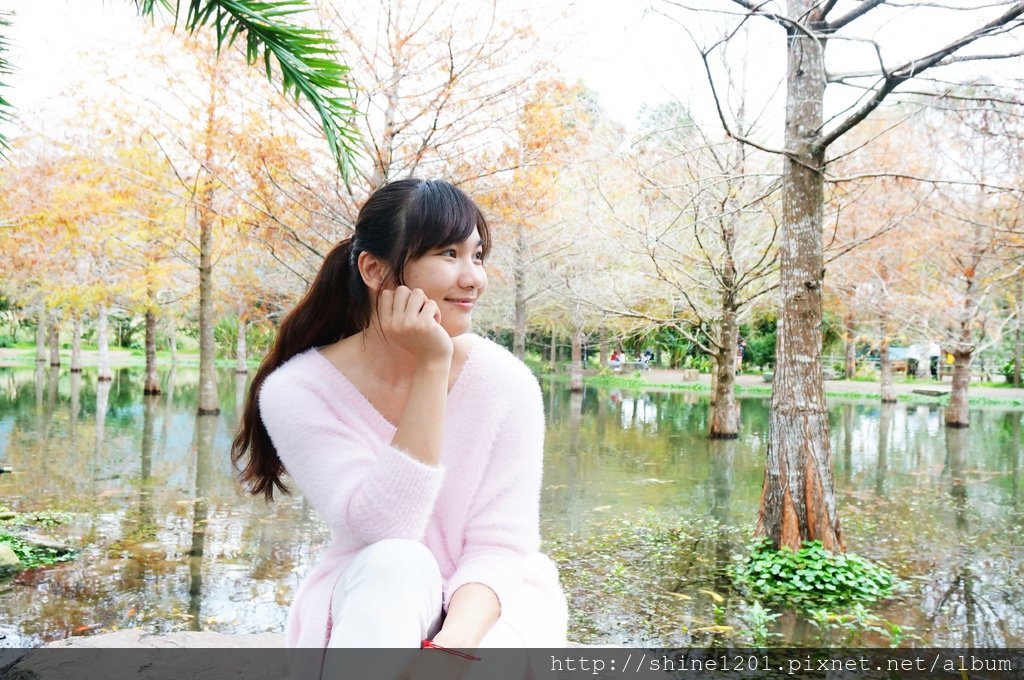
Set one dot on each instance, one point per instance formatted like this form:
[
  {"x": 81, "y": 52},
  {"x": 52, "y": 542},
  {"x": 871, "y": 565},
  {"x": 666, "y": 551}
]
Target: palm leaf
[{"x": 306, "y": 57}]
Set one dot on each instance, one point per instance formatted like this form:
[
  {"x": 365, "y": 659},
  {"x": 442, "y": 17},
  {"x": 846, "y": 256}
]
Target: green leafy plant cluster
[
  {"x": 811, "y": 577},
  {"x": 42, "y": 518},
  {"x": 32, "y": 556}
]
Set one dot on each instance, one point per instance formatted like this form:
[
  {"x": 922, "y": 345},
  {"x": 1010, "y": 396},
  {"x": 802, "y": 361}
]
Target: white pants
[{"x": 390, "y": 596}]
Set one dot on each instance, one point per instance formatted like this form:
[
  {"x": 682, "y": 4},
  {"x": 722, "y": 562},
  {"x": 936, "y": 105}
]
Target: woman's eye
[
  {"x": 448, "y": 253},
  {"x": 479, "y": 256}
]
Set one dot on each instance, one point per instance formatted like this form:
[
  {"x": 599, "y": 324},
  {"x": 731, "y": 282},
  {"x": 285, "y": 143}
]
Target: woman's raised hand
[{"x": 412, "y": 320}]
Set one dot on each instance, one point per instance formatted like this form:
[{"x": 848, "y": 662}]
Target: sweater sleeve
[
  {"x": 360, "y": 490},
  {"x": 504, "y": 524}
]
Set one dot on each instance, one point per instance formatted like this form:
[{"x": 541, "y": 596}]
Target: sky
[{"x": 631, "y": 52}]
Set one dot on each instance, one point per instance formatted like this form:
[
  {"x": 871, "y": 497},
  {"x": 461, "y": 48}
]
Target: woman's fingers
[
  {"x": 431, "y": 311},
  {"x": 401, "y": 301}
]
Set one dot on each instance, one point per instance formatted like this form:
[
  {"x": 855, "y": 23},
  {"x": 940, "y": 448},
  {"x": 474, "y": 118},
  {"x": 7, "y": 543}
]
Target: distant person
[
  {"x": 419, "y": 443},
  {"x": 615, "y": 361},
  {"x": 645, "y": 359},
  {"x": 933, "y": 367},
  {"x": 741, "y": 350}
]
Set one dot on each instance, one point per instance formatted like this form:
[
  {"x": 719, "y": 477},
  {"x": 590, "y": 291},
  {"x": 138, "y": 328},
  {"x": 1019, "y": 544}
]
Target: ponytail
[{"x": 335, "y": 306}]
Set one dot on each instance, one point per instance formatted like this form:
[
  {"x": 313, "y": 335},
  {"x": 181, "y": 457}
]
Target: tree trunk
[
  {"x": 888, "y": 389},
  {"x": 76, "y": 343},
  {"x": 553, "y": 351},
  {"x": 576, "y": 367},
  {"x": 850, "y": 366},
  {"x": 41, "y": 336},
  {"x": 519, "y": 277},
  {"x": 725, "y": 411},
  {"x": 205, "y": 215},
  {"x": 963, "y": 353},
  {"x": 208, "y": 403},
  {"x": 103, "y": 374},
  {"x": 956, "y": 412},
  {"x": 798, "y": 500},
  {"x": 54, "y": 339},
  {"x": 241, "y": 363},
  {"x": 152, "y": 385}
]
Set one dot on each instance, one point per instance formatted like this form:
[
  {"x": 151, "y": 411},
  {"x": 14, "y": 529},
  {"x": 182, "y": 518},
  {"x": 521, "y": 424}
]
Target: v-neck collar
[{"x": 372, "y": 412}]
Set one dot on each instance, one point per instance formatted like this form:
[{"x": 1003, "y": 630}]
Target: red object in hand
[{"x": 429, "y": 644}]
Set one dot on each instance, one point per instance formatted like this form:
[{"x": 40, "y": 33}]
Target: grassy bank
[{"x": 634, "y": 382}]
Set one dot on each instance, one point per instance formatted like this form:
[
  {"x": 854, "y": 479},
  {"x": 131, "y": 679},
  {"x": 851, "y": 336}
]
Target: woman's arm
[
  {"x": 504, "y": 524},
  {"x": 420, "y": 429},
  {"x": 410, "y": 320}
]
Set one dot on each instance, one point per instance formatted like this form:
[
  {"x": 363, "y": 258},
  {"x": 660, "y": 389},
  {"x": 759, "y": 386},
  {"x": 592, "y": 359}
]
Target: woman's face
[{"x": 453, "y": 276}]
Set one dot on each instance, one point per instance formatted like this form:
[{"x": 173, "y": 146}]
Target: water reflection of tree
[
  {"x": 846, "y": 476},
  {"x": 1011, "y": 445},
  {"x": 882, "y": 462},
  {"x": 958, "y": 597},
  {"x": 206, "y": 427}
]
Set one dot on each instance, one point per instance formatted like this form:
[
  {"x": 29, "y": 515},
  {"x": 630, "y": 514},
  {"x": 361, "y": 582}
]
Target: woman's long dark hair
[{"x": 401, "y": 221}]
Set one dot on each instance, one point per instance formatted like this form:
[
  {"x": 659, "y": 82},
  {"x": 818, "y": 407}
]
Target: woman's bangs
[{"x": 441, "y": 215}]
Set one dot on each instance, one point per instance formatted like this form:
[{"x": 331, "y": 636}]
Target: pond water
[{"x": 169, "y": 542}]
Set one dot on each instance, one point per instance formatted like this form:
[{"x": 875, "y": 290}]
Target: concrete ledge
[{"x": 140, "y": 638}]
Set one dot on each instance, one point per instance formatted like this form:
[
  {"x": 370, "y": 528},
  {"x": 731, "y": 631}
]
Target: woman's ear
[{"x": 372, "y": 270}]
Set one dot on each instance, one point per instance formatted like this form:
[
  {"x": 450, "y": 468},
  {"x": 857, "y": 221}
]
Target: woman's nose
[{"x": 472, "y": 275}]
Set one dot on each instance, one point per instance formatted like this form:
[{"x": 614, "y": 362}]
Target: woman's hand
[{"x": 412, "y": 321}]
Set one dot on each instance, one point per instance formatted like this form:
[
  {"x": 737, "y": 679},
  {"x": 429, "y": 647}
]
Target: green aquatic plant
[
  {"x": 34, "y": 556},
  {"x": 811, "y": 578}
]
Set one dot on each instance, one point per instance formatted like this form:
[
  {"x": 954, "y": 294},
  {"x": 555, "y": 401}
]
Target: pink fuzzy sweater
[{"x": 477, "y": 512}]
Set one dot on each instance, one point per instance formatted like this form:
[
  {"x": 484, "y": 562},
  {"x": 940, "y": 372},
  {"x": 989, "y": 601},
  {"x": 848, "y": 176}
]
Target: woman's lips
[{"x": 465, "y": 304}]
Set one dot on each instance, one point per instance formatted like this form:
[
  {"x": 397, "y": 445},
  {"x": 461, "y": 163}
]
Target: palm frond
[{"x": 306, "y": 57}]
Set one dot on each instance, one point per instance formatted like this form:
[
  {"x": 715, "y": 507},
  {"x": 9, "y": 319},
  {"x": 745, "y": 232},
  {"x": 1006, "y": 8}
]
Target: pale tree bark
[
  {"x": 76, "y": 343},
  {"x": 208, "y": 403},
  {"x": 576, "y": 366},
  {"x": 850, "y": 329},
  {"x": 885, "y": 368},
  {"x": 103, "y": 374},
  {"x": 519, "y": 278},
  {"x": 798, "y": 500},
  {"x": 956, "y": 412},
  {"x": 885, "y": 361},
  {"x": 241, "y": 363},
  {"x": 54, "y": 338},
  {"x": 553, "y": 350},
  {"x": 725, "y": 411},
  {"x": 152, "y": 385},
  {"x": 41, "y": 336},
  {"x": 963, "y": 353},
  {"x": 205, "y": 215}
]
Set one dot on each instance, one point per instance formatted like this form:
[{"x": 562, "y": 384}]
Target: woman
[{"x": 418, "y": 442}]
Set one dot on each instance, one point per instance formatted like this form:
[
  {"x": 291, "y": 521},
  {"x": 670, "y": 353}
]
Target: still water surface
[{"x": 170, "y": 543}]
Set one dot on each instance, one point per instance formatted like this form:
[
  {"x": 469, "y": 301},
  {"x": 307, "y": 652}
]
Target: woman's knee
[{"x": 397, "y": 560}]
